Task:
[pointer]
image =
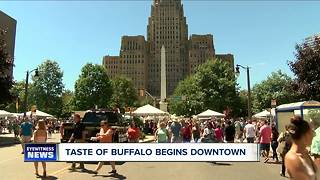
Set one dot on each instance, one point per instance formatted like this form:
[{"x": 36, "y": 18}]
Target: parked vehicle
[{"x": 92, "y": 119}]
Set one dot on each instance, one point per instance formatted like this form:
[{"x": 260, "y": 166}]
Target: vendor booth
[
  {"x": 38, "y": 113},
  {"x": 265, "y": 114},
  {"x": 149, "y": 110},
  {"x": 4, "y": 114},
  {"x": 286, "y": 111},
  {"x": 208, "y": 114}
]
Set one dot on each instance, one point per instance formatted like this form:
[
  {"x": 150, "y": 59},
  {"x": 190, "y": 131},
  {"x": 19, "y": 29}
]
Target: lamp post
[
  {"x": 248, "y": 82},
  {"x": 26, "y": 89}
]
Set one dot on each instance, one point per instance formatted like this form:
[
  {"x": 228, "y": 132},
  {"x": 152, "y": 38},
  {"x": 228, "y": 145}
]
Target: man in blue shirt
[
  {"x": 25, "y": 133},
  {"x": 176, "y": 131}
]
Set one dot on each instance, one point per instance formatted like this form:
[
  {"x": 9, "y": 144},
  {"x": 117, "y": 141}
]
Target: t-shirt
[
  {"x": 195, "y": 132},
  {"x": 219, "y": 134},
  {"x": 105, "y": 136},
  {"x": 78, "y": 128},
  {"x": 175, "y": 129},
  {"x": 209, "y": 133},
  {"x": 186, "y": 132},
  {"x": 250, "y": 130},
  {"x": 265, "y": 134},
  {"x": 230, "y": 132},
  {"x": 133, "y": 133},
  {"x": 26, "y": 128},
  {"x": 238, "y": 127},
  {"x": 162, "y": 135}
]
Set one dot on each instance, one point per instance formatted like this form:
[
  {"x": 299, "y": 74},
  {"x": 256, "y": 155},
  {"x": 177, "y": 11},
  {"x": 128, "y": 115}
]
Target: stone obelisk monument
[{"x": 163, "y": 103}]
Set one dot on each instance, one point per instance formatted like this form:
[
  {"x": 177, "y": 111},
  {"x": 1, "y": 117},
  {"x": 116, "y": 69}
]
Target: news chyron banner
[
  {"x": 143, "y": 152},
  {"x": 40, "y": 152}
]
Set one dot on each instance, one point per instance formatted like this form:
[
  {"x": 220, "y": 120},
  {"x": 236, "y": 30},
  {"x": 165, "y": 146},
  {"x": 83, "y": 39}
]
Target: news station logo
[{"x": 40, "y": 152}]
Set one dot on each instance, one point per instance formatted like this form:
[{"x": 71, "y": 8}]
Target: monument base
[{"x": 163, "y": 106}]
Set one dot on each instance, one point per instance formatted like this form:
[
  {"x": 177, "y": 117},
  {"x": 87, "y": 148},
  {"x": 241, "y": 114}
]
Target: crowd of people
[
  {"x": 9, "y": 126},
  {"x": 295, "y": 145},
  {"x": 214, "y": 130}
]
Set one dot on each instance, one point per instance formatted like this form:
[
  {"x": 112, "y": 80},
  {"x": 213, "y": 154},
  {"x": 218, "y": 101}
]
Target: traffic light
[{"x": 141, "y": 92}]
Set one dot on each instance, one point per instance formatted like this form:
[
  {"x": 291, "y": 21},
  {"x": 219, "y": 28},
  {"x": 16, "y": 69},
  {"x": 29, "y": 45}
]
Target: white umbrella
[{"x": 4, "y": 113}]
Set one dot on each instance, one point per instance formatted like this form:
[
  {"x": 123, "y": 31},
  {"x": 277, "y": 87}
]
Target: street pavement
[{"x": 12, "y": 167}]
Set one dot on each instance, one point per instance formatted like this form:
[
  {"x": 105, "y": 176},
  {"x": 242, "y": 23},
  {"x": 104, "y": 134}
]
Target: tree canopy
[
  {"x": 124, "y": 93},
  {"x": 306, "y": 68},
  {"x": 67, "y": 103},
  {"x": 213, "y": 86},
  {"x": 277, "y": 86},
  {"x": 93, "y": 88},
  {"x": 47, "y": 88}
]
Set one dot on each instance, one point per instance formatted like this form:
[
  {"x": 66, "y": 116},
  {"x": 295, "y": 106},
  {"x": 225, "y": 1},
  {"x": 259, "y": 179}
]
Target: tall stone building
[
  {"x": 167, "y": 26},
  {"x": 132, "y": 62},
  {"x": 8, "y": 24},
  {"x": 200, "y": 50},
  {"x": 139, "y": 60}
]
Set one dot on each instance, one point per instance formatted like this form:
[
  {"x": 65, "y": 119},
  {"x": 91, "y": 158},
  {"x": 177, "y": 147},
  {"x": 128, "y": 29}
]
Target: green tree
[
  {"x": 144, "y": 101},
  {"x": 213, "y": 86},
  {"x": 187, "y": 98},
  {"x": 93, "y": 88},
  {"x": 306, "y": 68},
  {"x": 47, "y": 88},
  {"x": 6, "y": 63},
  {"x": 277, "y": 86},
  {"x": 124, "y": 93},
  {"x": 17, "y": 92},
  {"x": 67, "y": 103}
]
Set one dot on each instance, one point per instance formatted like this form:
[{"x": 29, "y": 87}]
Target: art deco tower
[
  {"x": 167, "y": 26},
  {"x": 140, "y": 59}
]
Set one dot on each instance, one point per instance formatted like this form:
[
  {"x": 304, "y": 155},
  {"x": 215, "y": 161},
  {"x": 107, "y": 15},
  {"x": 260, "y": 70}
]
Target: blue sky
[{"x": 259, "y": 34}]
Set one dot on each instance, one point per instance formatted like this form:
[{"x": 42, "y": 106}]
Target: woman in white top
[
  {"x": 40, "y": 136},
  {"x": 299, "y": 164}
]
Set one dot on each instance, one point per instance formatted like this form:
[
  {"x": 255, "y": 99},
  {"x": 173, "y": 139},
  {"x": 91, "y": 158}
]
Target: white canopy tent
[
  {"x": 265, "y": 114},
  {"x": 149, "y": 110},
  {"x": 5, "y": 114},
  {"x": 38, "y": 114},
  {"x": 209, "y": 113}
]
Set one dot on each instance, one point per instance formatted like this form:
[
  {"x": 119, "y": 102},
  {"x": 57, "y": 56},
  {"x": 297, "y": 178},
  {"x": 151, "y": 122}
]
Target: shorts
[
  {"x": 26, "y": 139},
  {"x": 175, "y": 139},
  {"x": 265, "y": 147}
]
